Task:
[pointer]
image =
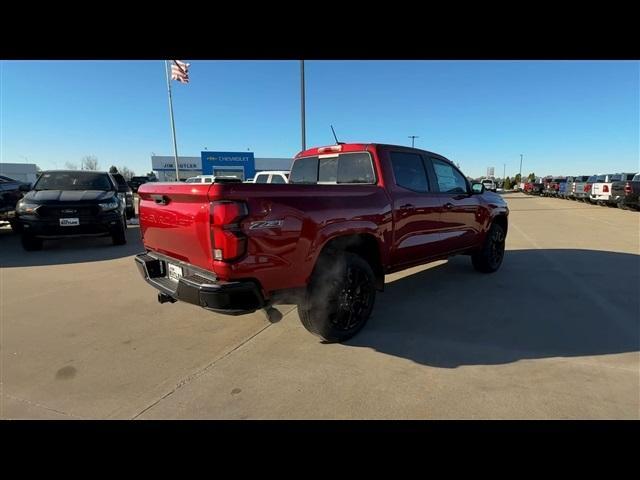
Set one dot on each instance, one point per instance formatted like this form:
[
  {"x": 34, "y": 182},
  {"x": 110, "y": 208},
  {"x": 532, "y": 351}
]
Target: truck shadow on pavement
[
  {"x": 67, "y": 250},
  {"x": 540, "y": 304}
]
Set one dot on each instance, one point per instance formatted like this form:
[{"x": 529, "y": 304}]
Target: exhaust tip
[{"x": 163, "y": 298}]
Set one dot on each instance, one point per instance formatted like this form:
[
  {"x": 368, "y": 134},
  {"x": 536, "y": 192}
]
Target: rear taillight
[
  {"x": 228, "y": 241},
  {"x": 587, "y": 187},
  {"x": 605, "y": 188},
  {"x": 627, "y": 188}
]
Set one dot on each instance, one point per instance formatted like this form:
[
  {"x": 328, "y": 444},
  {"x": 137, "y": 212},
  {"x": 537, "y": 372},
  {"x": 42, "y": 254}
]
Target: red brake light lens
[
  {"x": 627, "y": 188},
  {"x": 332, "y": 148},
  {"x": 228, "y": 241},
  {"x": 605, "y": 188}
]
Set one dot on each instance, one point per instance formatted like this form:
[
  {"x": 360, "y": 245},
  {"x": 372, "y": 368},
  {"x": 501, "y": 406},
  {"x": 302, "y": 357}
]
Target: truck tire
[
  {"x": 119, "y": 236},
  {"x": 489, "y": 258},
  {"x": 339, "y": 298},
  {"x": 30, "y": 243}
]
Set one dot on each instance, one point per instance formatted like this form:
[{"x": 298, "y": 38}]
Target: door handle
[
  {"x": 448, "y": 206},
  {"x": 407, "y": 205}
]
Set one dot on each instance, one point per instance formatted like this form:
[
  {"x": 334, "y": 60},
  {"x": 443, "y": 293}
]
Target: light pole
[
  {"x": 520, "y": 167},
  {"x": 413, "y": 137},
  {"x": 302, "y": 113}
]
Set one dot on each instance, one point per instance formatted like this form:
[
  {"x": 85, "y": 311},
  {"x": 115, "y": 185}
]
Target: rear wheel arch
[{"x": 364, "y": 245}]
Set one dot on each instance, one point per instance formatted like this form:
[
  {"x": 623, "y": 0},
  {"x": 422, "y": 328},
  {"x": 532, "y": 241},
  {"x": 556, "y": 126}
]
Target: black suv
[
  {"x": 71, "y": 203},
  {"x": 125, "y": 193},
  {"x": 135, "y": 182}
]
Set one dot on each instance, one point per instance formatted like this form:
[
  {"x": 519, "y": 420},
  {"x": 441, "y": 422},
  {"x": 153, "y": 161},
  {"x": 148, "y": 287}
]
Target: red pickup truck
[{"x": 350, "y": 214}]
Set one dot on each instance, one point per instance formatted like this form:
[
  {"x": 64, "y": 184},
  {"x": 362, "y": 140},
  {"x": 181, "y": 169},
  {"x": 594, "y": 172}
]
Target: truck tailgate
[{"x": 174, "y": 220}]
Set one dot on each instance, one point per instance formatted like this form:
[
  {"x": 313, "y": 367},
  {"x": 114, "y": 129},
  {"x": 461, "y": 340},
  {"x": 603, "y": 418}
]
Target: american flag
[{"x": 180, "y": 71}]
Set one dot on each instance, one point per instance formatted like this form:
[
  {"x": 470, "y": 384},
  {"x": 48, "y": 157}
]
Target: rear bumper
[
  {"x": 199, "y": 288},
  {"x": 630, "y": 200}
]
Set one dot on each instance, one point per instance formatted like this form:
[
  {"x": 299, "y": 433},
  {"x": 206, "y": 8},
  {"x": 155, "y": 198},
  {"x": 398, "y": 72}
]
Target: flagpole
[{"x": 173, "y": 126}]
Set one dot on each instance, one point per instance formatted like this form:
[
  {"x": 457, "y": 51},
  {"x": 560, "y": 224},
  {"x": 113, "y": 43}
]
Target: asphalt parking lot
[{"x": 555, "y": 334}]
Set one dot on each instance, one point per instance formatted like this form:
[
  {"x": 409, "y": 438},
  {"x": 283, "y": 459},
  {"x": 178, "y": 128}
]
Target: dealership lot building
[{"x": 241, "y": 164}]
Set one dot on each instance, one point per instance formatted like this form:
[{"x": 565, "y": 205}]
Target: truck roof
[{"x": 358, "y": 147}]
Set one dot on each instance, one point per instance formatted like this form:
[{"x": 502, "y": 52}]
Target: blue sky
[{"x": 566, "y": 117}]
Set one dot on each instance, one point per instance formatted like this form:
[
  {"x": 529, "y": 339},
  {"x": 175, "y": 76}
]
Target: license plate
[
  {"x": 174, "y": 272},
  {"x": 69, "y": 222}
]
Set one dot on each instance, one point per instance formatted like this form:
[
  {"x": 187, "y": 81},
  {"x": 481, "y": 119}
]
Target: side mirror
[
  {"x": 477, "y": 188},
  {"x": 24, "y": 187}
]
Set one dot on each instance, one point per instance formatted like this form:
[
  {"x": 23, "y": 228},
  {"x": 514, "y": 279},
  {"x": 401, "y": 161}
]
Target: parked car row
[{"x": 613, "y": 189}]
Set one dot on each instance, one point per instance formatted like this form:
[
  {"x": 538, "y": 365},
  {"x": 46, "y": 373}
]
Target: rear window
[
  {"x": 601, "y": 178},
  {"x": 628, "y": 176},
  {"x": 615, "y": 178},
  {"x": 637, "y": 178},
  {"x": 345, "y": 168}
]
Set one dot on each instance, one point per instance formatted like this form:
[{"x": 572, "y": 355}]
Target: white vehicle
[
  {"x": 208, "y": 178},
  {"x": 489, "y": 184},
  {"x": 601, "y": 189},
  {"x": 275, "y": 176}
]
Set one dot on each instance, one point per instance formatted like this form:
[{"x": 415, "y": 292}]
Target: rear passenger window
[
  {"x": 277, "y": 179},
  {"x": 409, "y": 171},
  {"x": 262, "y": 178},
  {"x": 449, "y": 179},
  {"x": 208, "y": 180}
]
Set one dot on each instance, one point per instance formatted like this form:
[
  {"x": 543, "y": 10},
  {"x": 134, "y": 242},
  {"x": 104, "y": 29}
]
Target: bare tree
[
  {"x": 70, "y": 166},
  {"x": 126, "y": 173},
  {"x": 89, "y": 162}
]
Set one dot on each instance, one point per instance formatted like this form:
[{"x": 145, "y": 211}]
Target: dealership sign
[
  {"x": 165, "y": 163},
  {"x": 212, "y": 162}
]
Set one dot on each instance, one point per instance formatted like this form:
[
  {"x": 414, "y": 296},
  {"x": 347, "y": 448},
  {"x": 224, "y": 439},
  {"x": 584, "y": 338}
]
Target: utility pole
[
  {"x": 413, "y": 137},
  {"x": 302, "y": 113},
  {"x": 504, "y": 171},
  {"x": 521, "y": 167}
]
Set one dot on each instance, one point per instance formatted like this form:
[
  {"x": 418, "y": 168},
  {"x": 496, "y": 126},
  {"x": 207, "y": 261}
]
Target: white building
[{"x": 25, "y": 172}]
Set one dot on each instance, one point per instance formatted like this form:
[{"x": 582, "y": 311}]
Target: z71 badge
[{"x": 265, "y": 224}]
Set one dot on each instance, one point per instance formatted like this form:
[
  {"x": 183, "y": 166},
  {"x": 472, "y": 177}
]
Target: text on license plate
[
  {"x": 174, "y": 272},
  {"x": 68, "y": 222}
]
